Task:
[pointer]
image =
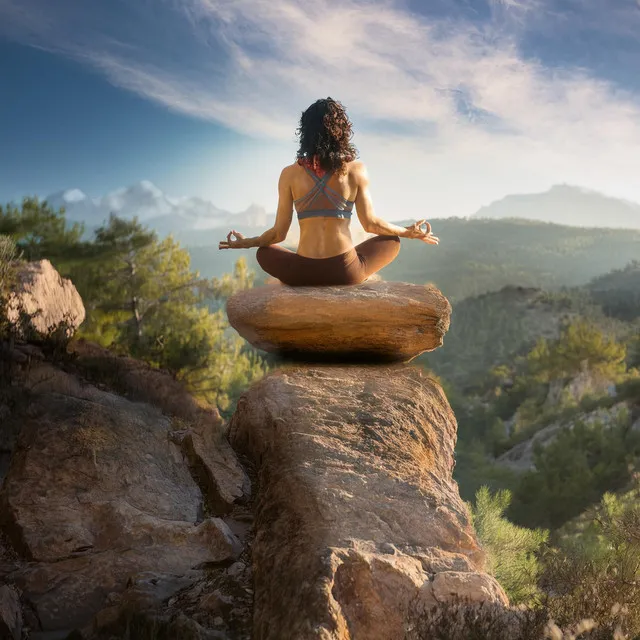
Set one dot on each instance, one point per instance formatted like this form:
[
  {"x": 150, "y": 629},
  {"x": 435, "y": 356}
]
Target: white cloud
[
  {"x": 521, "y": 5},
  {"x": 253, "y": 65}
]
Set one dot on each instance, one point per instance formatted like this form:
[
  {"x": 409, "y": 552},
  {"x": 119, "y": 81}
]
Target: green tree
[
  {"x": 580, "y": 346},
  {"x": 511, "y": 550},
  {"x": 634, "y": 350},
  {"x": 8, "y": 256},
  {"x": 573, "y": 471},
  {"x": 42, "y": 232},
  {"x": 145, "y": 301},
  {"x": 241, "y": 278},
  {"x": 142, "y": 297}
]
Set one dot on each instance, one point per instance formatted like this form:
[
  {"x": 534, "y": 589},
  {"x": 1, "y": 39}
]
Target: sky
[{"x": 455, "y": 103}]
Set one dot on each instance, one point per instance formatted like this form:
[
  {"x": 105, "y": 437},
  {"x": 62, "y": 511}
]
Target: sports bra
[{"x": 322, "y": 200}]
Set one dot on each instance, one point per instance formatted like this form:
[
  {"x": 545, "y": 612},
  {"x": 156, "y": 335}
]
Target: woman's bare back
[{"x": 324, "y": 237}]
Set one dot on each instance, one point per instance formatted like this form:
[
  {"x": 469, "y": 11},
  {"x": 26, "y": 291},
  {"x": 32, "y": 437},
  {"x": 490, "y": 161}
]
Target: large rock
[
  {"x": 359, "y": 525},
  {"x": 44, "y": 303},
  {"x": 391, "y": 321},
  {"x": 97, "y": 490}
]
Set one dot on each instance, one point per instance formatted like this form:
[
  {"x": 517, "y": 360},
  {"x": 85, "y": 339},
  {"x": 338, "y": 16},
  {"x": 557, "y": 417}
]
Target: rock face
[
  {"x": 359, "y": 525},
  {"x": 51, "y": 303},
  {"x": 389, "y": 321},
  {"x": 110, "y": 502},
  {"x": 97, "y": 491},
  {"x": 10, "y": 614}
]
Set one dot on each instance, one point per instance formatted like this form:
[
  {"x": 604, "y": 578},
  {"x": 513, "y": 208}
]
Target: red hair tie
[{"x": 313, "y": 164}]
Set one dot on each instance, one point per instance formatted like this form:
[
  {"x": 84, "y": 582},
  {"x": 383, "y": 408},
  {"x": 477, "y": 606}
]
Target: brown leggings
[{"x": 352, "y": 267}]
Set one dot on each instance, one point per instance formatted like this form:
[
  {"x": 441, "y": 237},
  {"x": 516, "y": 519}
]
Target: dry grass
[
  {"x": 140, "y": 382},
  {"x": 486, "y": 621},
  {"x": 92, "y": 436}
]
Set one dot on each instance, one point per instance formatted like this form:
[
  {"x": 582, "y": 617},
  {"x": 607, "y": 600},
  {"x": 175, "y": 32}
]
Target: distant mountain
[
  {"x": 568, "y": 205},
  {"x": 179, "y": 216}
]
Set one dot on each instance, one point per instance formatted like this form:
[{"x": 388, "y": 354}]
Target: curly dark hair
[{"x": 325, "y": 134}]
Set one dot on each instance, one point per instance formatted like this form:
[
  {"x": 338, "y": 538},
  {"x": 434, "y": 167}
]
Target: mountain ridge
[
  {"x": 566, "y": 204},
  {"x": 154, "y": 208}
]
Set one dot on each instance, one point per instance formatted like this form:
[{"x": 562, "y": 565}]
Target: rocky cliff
[
  {"x": 325, "y": 509},
  {"x": 359, "y": 525}
]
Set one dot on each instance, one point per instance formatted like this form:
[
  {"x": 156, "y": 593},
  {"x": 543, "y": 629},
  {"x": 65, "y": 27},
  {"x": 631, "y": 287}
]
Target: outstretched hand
[
  {"x": 232, "y": 244},
  {"x": 416, "y": 231}
]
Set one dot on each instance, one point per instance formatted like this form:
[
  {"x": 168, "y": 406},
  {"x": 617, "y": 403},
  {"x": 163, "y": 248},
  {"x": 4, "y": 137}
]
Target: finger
[
  {"x": 428, "y": 227},
  {"x": 229, "y": 236}
]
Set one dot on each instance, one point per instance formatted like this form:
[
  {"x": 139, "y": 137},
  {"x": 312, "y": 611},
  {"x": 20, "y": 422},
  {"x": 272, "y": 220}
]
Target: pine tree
[
  {"x": 42, "y": 232},
  {"x": 580, "y": 346},
  {"x": 144, "y": 300},
  {"x": 511, "y": 550}
]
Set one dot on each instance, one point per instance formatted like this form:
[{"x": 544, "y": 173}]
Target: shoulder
[
  {"x": 287, "y": 174},
  {"x": 290, "y": 171},
  {"x": 358, "y": 170}
]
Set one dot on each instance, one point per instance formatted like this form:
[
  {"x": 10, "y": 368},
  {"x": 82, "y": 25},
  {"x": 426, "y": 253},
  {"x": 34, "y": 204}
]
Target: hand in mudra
[
  {"x": 232, "y": 244},
  {"x": 416, "y": 231}
]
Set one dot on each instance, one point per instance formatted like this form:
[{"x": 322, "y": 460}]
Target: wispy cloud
[
  {"x": 465, "y": 99},
  {"x": 520, "y": 5}
]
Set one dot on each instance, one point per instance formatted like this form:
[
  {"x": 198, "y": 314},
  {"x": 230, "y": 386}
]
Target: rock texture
[
  {"x": 97, "y": 491},
  {"x": 10, "y": 614},
  {"x": 359, "y": 525},
  {"x": 43, "y": 302},
  {"x": 111, "y": 504},
  {"x": 389, "y": 321}
]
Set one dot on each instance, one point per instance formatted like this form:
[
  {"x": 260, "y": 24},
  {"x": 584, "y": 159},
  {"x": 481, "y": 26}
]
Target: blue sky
[{"x": 454, "y": 103}]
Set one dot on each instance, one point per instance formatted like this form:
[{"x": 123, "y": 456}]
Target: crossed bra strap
[{"x": 336, "y": 207}]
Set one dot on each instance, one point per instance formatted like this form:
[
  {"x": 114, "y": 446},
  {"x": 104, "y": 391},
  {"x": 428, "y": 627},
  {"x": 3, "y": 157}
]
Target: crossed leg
[
  {"x": 294, "y": 270},
  {"x": 377, "y": 252}
]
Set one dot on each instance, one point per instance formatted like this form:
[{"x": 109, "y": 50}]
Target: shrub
[
  {"x": 597, "y": 573},
  {"x": 485, "y": 621},
  {"x": 8, "y": 257},
  {"x": 574, "y": 471},
  {"x": 511, "y": 550}
]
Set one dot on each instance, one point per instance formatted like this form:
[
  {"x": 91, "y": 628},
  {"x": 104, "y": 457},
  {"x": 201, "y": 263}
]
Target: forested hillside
[{"x": 494, "y": 328}]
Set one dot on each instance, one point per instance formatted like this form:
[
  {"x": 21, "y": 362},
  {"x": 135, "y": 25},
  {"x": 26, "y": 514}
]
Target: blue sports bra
[{"x": 322, "y": 200}]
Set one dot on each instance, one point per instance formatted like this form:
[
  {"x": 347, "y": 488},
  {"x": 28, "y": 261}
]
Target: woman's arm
[
  {"x": 280, "y": 228},
  {"x": 373, "y": 224}
]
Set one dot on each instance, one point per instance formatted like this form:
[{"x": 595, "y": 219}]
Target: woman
[{"x": 323, "y": 185}]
